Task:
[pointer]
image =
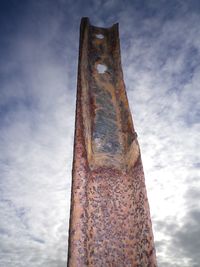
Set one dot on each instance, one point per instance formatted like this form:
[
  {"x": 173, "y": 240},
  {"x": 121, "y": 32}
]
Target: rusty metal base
[{"x": 110, "y": 222}]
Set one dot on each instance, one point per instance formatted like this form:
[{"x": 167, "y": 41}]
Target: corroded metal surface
[{"x": 110, "y": 222}]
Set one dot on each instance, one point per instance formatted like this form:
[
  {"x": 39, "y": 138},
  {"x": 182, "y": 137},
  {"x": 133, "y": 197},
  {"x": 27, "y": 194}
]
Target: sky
[{"x": 160, "y": 52}]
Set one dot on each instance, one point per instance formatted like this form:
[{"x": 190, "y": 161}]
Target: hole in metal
[
  {"x": 100, "y": 36},
  {"x": 101, "y": 68}
]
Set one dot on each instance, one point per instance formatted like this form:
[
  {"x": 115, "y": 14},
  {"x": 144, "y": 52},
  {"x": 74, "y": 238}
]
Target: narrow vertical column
[{"x": 110, "y": 221}]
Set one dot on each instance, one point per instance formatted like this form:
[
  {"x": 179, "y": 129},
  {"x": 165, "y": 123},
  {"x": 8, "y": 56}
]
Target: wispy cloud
[{"x": 162, "y": 72}]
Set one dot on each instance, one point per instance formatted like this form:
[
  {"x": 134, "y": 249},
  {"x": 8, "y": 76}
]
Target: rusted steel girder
[{"x": 110, "y": 223}]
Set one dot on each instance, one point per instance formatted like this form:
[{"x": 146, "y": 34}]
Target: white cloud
[{"x": 165, "y": 115}]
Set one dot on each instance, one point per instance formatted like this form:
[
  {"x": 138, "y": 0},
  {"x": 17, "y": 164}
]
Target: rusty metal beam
[{"x": 110, "y": 221}]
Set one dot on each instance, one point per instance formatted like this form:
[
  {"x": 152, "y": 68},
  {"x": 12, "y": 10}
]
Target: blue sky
[{"x": 160, "y": 50}]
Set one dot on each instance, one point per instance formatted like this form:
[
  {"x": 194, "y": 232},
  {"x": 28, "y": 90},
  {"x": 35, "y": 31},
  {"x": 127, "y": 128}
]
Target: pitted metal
[{"x": 110, "y": 223}]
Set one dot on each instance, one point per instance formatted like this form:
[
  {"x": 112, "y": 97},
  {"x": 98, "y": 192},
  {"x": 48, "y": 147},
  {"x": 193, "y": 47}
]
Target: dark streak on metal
[{"x": 110, "y": 222}]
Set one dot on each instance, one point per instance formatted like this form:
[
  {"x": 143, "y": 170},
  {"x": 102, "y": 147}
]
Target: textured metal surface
[{"x": 110, "y": 221}]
